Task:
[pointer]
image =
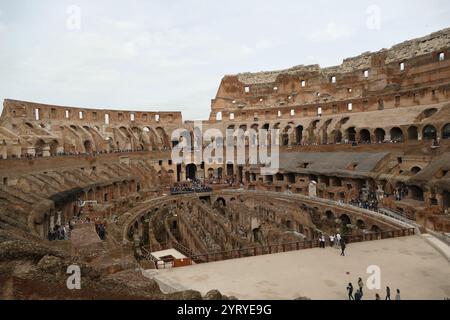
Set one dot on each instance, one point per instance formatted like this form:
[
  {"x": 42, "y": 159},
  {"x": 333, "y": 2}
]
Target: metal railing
[{"x": 294, "y": 246}]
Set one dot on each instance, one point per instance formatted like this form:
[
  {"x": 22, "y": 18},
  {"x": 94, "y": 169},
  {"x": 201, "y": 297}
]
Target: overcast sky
[{"x": 171, "y": 55}]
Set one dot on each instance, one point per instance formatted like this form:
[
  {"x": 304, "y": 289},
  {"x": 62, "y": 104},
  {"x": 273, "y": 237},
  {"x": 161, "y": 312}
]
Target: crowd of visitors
[
  {"x": 358, "y": 295},
  {"x": 60, "y": 232},
  {"x": 400, "y": 192},
  {"x": 190, "y": 186},
  {"x": 335, "y": 241}
]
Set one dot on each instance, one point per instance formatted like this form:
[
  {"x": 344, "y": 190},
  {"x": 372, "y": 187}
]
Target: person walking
[
  {"x": 360, "y": 284},
  {"x": 322, "y": 240},
  {"x": 332, "y": 240},
  {"x": 388, "y": 293},
  {"x": 397, "y": 296},
  {"x": 338, "y": 240},
  {"x": 343, "y": 246},
  {"x": 350, "y": 291}
]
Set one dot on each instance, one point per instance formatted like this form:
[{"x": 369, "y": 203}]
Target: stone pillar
[
  {"x": 291, "y": 139},
  {"x": 183, "y": 172},
  {"x": 31, "y": 151},
  {"x": 46, "y": 151}
]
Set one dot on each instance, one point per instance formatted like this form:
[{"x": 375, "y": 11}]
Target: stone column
[{"x": 46, "y": 151}]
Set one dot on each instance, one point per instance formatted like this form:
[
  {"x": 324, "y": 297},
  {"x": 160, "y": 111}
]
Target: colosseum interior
[{"x": 364, "y": 151}]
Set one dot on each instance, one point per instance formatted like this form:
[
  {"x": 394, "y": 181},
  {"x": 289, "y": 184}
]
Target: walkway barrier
[{"x": 294, "y": 246}]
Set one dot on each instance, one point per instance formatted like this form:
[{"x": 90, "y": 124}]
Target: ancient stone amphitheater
[{"x": 364, "y": 151}]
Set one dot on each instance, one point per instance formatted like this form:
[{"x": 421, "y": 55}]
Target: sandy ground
[{"x": 408, "y": 263}]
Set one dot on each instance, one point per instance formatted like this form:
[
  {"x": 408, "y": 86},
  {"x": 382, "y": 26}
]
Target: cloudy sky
[{"x": 171, "y": 55}]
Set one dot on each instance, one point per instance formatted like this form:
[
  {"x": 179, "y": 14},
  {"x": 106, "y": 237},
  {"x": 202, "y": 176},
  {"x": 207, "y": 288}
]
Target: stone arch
[
  {"x": 337, "y": 136},
  {"x": 396, "y": 134},
  {"x": 191, "y": 171},
  {"x": 285, "y": 135},
  {"x": 416, "y": 193},
  {"x": 298, "y": 134},
  {"x": 345, "y": 219},
  {"x": 39, "y": 147},
  {"x": 375, "y": 229},
  {"x": 163, "y": 137},
  {"x": 330, "y": 215},
  {"x": 446, "y": 131},
  {"x": 361, "y": 224},
  {"x": 413, "y": 134},
  {"x": 220, "y": 202},
  {"x": 364, "y": 136},
  {"x": 380, "y": 135},
  {"x": 429, "y": 132},
  {"x": 351, "y": 134},
  {"x": 210, "y": 173},
  {"x": 54, "y": 144},
  {"x": 88, "y": 148},
  {"x": 415, "y": 170}
]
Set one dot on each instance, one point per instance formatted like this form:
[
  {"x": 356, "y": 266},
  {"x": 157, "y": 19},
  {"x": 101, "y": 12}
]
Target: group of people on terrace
[{"x": 190, "y": 186}]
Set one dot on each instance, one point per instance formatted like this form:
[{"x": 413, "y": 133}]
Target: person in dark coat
[
  {"x": 350, "y": 291},
  {"x": 343, "y": 246},
  {"x": 388, "y": 293}
]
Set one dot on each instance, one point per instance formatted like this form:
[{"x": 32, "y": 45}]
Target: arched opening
[
  {"x": 416, "y": 193},
  {"x": 429, "y": 112},
  {"x": 88, "y": 146},
  {"x": 413, "y": 134},
  {"x": 446, "y": 131},
  {"x": 210, "y": 173},
  {"x": 361, "y": 224},
  {"x": 220, "y": 202},
  {"x": 285, "y": 136},
  {"x": 54, "y": 147},
  {"x": 330, "y": 215},
  {"x": 396, "y": 134},
  {"x": 337, "y": 136},
  {"x": 379, "y": 135},
  {"x": 298, "y": 134},
  {"x": 257, "y": 236},
  {"x": 219, "y": 116},
  {"x": 351, "y": 134},
  {"x": 415, "y": 170},
  {"x": 375, "y": 229},
  {"x": 345, "y": 220},
  {"x": 219, "y": 173},
  {"x": 39, "y": 147},
  {"x": 191, "y": 171},
  {"x": 429, "y": 132},
  {"x": 364, "y": 136}
]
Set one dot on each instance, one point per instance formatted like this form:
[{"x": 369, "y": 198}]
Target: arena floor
[{"x": 409, "y": 263}]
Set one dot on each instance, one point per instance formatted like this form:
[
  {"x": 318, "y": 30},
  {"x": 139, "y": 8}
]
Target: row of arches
[{"x": 291, "y": 134}]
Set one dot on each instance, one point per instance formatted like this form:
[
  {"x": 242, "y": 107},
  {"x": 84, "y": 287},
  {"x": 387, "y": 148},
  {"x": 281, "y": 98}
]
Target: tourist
[
  {"x": 350, "y": 291},
  {"x": 358, "y": 295},
  {"x": 388, "y": 293},
  {"x": 343, "y": 246},
  {"x": 331, "y": 240},
  {"x": 377, "y": 296},
  {"x": 322, "y": 241},
  {"x": 397, "y": 296},
  {"x": 360, "y": 284},
  {"x": 338, "y": 240}
]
